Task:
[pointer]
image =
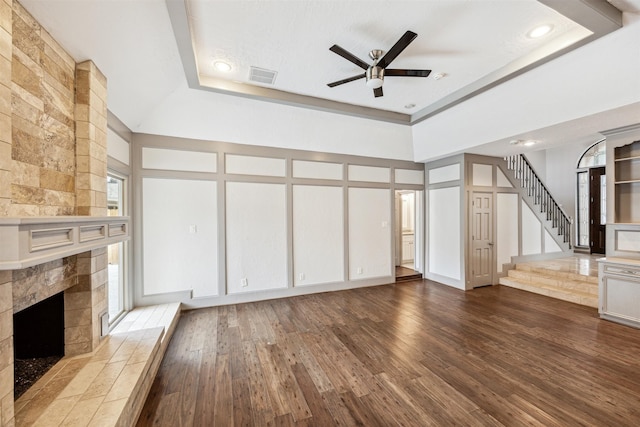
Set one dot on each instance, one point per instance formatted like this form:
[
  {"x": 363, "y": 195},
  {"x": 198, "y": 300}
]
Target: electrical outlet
[
  {"x": 359, "y": 270},
  {"x": 244, "y": 282},
  {"x": 301, "y": 276},
  {"x": 193, "y": 229},
  {"x": 384, "y": 224}
]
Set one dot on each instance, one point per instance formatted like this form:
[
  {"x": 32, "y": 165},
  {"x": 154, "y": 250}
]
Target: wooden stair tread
[
  {"x": 554, "y": 282},
  {"x": 558, "y": 274}
]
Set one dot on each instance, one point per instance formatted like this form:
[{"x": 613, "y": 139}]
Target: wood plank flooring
[{"x": 414, "y": 354}]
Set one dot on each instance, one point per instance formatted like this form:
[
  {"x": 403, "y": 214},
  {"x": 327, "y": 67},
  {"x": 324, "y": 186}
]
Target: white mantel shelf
[{"x": 25, "y": 242}]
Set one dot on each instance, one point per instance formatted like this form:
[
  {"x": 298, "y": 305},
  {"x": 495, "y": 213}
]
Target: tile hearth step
[
  {"x": 563, "y": 285},
  {"x": 109, "y": 386}
]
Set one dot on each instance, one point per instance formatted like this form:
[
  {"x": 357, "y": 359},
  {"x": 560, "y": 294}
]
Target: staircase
[
  {"x": 539, "y": 196},
  {"x": 549, "y": 281}
]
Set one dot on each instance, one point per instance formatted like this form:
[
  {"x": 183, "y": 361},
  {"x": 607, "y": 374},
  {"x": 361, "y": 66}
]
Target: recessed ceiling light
[
  {"x": 525, "y": 142},
  {"x": 539, "y": 31},
  {"x": 222, "y": 66}
]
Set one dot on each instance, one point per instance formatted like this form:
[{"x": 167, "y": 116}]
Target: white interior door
[{"x": 482, "y": 239}]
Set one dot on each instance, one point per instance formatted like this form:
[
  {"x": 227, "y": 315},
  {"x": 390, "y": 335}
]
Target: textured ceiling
[
  {"x": 464, "y": 40},
  {"x": 155, "y": 87}
]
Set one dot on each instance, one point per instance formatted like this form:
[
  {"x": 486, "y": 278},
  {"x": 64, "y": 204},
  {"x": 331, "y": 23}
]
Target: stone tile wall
[
  {"x": 53, "y": 156},
  {"x": 91, "y": 132},
  {"x": 6, "y": 18},
  {"x": 42, "y": 126},
  {"x": 6, "y": 350},
  {"x": 34, "y": 284},
  {"x": 6, "y": 293},
  {"x": 85, "y": 302}
]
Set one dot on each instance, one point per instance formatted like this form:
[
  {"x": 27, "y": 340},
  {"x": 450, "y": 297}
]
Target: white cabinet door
[
  {"x": 407, "y": 248},
  {"x": 620, "y": 293}
]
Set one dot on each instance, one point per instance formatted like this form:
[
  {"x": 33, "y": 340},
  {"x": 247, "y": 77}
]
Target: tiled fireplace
[
  {"x": 53, "y": 167},
  {"x": 42, "y": 257}
]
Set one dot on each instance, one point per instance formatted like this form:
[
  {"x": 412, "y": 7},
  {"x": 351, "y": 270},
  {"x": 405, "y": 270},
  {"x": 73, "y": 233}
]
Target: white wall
[
  {"x": 180, "y": 237},
  {"x": 217, "y": 117},
  {"x": 278, "y": 218},
  {"x": 531, "y": 231},
  {"x": 318, "y": 235},
  {"x": 370, "y": 233},
  {"x": 444, "y": 232},
  {"x": 117, "y": 147},
  {"x": 560, "y": 176},
  {"x": 507, "y": 234},
  {"x": 576, "y": 85},
  {"x": 256, "y": 233}
]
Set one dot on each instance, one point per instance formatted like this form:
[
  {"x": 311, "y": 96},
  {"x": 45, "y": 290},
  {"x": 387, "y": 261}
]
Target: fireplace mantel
[{"x": 25, "y": 242}]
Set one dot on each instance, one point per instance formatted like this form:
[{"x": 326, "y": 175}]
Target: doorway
[
  {"x": 482, "y": 239},
  {"x": 597, "y": 210},
  {"x": 407, "y": 232}
]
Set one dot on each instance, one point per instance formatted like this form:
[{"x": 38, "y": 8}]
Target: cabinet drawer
[{"x": 623, "y": 270}]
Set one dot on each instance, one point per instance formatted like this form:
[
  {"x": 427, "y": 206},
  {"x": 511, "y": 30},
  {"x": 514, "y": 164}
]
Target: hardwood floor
[
  {"x": 404, "y": 274},
  {"x": 414, "y": 354}
]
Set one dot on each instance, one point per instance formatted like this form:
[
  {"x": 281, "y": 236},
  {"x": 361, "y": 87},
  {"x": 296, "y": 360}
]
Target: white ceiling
[
  {"x": 465, "y": 40},
  {"x": 141, "y": 50}
]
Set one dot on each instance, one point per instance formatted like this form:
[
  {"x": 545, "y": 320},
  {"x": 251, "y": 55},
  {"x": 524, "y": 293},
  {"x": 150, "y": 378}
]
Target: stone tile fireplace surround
[
  {"x": 40, "y": 257},
  {"x": 53, "y": 167}
]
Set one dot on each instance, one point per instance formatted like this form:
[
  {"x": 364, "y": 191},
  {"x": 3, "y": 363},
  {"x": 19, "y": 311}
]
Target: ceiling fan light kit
[
  {"x": 374, "y": 73},
  {"x": 375, "y": 77}
]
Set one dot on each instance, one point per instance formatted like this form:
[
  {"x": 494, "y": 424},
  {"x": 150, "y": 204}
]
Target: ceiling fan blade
[
  {"x": 397, "y": 48},
  {"x": 349, "y": 56},
  {"x": 407, "y": 73},
  {"x": 377, "y": 92},
  {"x": 347, "y": 80}
]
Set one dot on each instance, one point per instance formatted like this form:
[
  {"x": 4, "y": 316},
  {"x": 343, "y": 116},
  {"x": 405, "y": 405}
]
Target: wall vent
[{"x": 260, "y": 75}]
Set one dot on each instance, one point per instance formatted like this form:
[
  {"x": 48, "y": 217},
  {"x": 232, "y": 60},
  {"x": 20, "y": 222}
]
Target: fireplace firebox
[{"x": 38, "y": 338}]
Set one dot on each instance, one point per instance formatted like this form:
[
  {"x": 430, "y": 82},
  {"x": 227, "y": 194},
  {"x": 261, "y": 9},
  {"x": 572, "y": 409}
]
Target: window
[
  {"x": 594, "y": 156},
  {"x": 583, "y": 208},
  {"x": 115, "y": 252}
]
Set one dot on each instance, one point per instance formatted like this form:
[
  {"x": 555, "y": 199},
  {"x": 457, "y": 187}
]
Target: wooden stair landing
[
  {"x": 405, "y": 274},
  {"x": 580, "y": 287}
]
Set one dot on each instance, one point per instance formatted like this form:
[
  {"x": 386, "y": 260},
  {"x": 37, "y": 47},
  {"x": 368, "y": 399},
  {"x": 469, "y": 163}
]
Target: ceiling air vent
[{"x": 260, "y": 75}]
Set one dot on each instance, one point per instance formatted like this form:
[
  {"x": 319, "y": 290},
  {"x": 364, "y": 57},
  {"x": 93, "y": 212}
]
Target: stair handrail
[{"x": 529, "y": 180}]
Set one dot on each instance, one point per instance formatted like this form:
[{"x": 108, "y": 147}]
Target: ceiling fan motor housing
[{"x": 375, "y": 76}]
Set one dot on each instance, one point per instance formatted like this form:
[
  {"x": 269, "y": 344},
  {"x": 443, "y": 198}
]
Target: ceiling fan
[{"x": 375, "y": 72}]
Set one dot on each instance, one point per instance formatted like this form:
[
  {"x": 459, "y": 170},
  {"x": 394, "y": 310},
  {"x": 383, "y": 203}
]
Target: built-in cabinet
[
  {"x": 408, "y": 249},
  {"x": 619, "y": 272},
  {"x": 627, "y": 183},
  {"x": 620, "y": 290}
]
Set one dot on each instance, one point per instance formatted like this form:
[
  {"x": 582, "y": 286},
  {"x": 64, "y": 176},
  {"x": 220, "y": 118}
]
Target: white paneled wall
[
  {"x": 317, "y": 170},
  {"x": 117, "y": 147},
  {"x": 506, "y": 228},
  {"x": 370, "y": 233},
  {"x": 518, "y": 231},
  {"x": 531, "y": 231},
  {"x": 178, "y": 160},
  {"x": 180, "y": 237},
  {"x": 222, "y": 223},
  {"x": 444, "y": 174},
  {"x": 256, "y": 237},
  {"x": 369, "y": 173},
  {"x": 444, "y": 232},
  {"x": 318, "y": 235},
  {"x": 251, "y": 165}
]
